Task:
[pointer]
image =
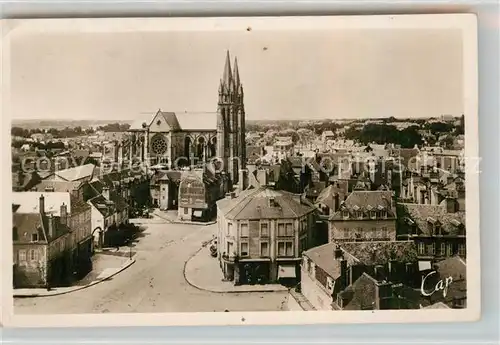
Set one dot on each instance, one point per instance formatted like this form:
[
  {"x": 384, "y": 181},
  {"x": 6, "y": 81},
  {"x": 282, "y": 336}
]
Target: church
[
  {"x": 184, "y": 141},
  {"x": 189, "y": 138}
]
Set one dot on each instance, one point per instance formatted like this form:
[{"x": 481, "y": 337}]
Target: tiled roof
[
  {"x": 26, "y": 224},
  {"x": 199, "y": 121},
  {"x": 57, "y": 186},
  {"x": 80, "y": 155},
  {"x": 315, "y": 188},
  {"x": 105, "y": 207},
  {"x": 420, "y": 214},
  {"x": 256, "y": 204},
  {"x": 380, "y": 252},
  {"x": 119, "y": 202},
  {"x": 327, "y": 195},
  {"x": 323, "y": 256},
  {"x": 361, "y": 294},
  {"x": 438, "y": 305},
  {"x": 186, "y": 121},
  {"x": 454, "y": 267},
  {"x": 365, "y": 201},
  {"x": 77, "y": 173},
  {"x": 29, "y": 202}
]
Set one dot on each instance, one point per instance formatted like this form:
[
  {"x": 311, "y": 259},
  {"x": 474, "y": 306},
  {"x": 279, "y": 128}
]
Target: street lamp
[{"x": 130, "y": 248}]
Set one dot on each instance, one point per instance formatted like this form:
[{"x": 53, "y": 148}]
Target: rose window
[{"x": 159, "y": 145}]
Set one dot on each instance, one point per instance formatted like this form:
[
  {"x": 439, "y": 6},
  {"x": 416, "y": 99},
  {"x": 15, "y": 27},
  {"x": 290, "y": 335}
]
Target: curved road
[{"x": 155, "y": 282}]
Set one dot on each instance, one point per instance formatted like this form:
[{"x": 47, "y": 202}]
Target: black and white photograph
[{"x": 211, "y": 171}]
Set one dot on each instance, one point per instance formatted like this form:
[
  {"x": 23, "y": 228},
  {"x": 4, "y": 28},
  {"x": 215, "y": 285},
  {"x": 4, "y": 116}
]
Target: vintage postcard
[{"x": 232, "y": 171}]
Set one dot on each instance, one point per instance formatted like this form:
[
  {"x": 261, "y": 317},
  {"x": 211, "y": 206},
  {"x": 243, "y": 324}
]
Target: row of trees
[
  {"x": 69, "y": 132},
  {"x": 383, "y": 134}
]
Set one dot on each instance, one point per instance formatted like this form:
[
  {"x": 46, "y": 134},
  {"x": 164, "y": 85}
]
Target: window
[
  {"x": 34, "y": 237},
  {"x": 329, "y": 284},
  {"x": 244, "y": 230},
  {"x": 229, "y": 248},
  {"x": 264, "y": 230},
  {"x": 186, "y": 210},
  {"x": 33, "y": 255},
  {"x": 289, "y": 229},
  {"x": 385, "y": 233},
  {"x": 229, "y": 228},
  {"x": 431, "y": 249},
  {"x": 373, "y": 214},
  {"x": 421, "y": 248},
  {"x": 285, "y": 248},
  {"x": 264, "y": 249},
  {"x": 442, "y": 249},
  {"x": 345, "y": 214},
  {"x": 22, "y": 255},
  {"x": 461, "y": 249},
  {"x": 281, "y": 248},
  {"x": 244, "y": 248},
  {"x": 281, "y": 229},
  {"x": 437, "y": 230},
  {"x": 346, "y": 233},
  {"x": 304, "y": 225},
  {"x": 449, "y": 250}
]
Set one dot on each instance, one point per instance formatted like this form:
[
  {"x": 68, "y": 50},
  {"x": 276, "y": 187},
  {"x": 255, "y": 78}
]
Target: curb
[
  {"x": 220, "y": 291},
  {"x": 184, "y": 222},
  {"x": 95, "y": 282}
]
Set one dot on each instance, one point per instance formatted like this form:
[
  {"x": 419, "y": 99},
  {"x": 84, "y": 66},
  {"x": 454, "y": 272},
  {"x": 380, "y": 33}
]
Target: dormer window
[
  {"x": 345, "y": 214},
  {"x": 373, "y": 214},
  {"x": 437, "y": 229},
  {"x": 34, "y": 237}
]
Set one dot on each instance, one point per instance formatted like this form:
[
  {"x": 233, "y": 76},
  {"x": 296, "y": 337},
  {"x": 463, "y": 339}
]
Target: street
[{"x": 155, "y": 283}]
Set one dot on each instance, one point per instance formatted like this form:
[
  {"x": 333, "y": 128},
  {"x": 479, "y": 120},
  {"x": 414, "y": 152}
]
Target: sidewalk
[
  {"x": 171, "y": 217},
  {"x": 202, "y": 271},
  {"x": 105, "y": 266}
]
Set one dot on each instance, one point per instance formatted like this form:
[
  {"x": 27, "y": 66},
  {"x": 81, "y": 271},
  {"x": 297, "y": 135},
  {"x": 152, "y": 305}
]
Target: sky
[{"x": 336, "y": 74}]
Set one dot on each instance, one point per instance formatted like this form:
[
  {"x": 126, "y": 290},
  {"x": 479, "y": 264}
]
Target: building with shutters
[
  {"x": 261, "y": 235},
  {"x": 52, "y": 240}
]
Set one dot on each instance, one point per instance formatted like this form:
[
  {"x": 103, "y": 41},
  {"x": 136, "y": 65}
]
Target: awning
[
  {"x": 197, "y": 214},
  {"x": 424, "y": 265},
  {"x": 286, "y": 271}
]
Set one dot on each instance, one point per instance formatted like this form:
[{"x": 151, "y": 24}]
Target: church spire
[
  {"x": 227, "y": 77},
  {"x": 236, "y": 73}
]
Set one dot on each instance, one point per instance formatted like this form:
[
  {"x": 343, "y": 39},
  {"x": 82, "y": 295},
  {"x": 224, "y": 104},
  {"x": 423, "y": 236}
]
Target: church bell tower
[{"x": 231, "y": 147}]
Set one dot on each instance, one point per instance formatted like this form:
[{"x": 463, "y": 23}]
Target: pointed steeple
[
  {"x": 227, "y": 77},
  {"x": 236, "y": 73}
]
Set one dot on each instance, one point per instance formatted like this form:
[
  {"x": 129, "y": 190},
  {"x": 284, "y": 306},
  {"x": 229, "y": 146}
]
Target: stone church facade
[{"x": 177, "y": 139}]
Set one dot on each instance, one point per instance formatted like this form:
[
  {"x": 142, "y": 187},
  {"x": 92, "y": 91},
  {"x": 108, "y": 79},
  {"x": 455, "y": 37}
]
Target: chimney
[
  {"x": 262, "y": 177},
  {"x": 243, "y": 179},
  {"x": 52, "y": 226},
  {"x": 42, "y": 204},
  {"x": 337, "y": 202},
  {"x": 105, "y": 192},
  {"x": 64, "y": 214},
  {"x": 379, "y": 272},
  {"x": 337, "y": 253},
  {"x": 392, "y": 269},
  {"x": 451, "y": 205},
  {"x": 383, "y": 295},
  {"x": 344, "y": 274}
]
